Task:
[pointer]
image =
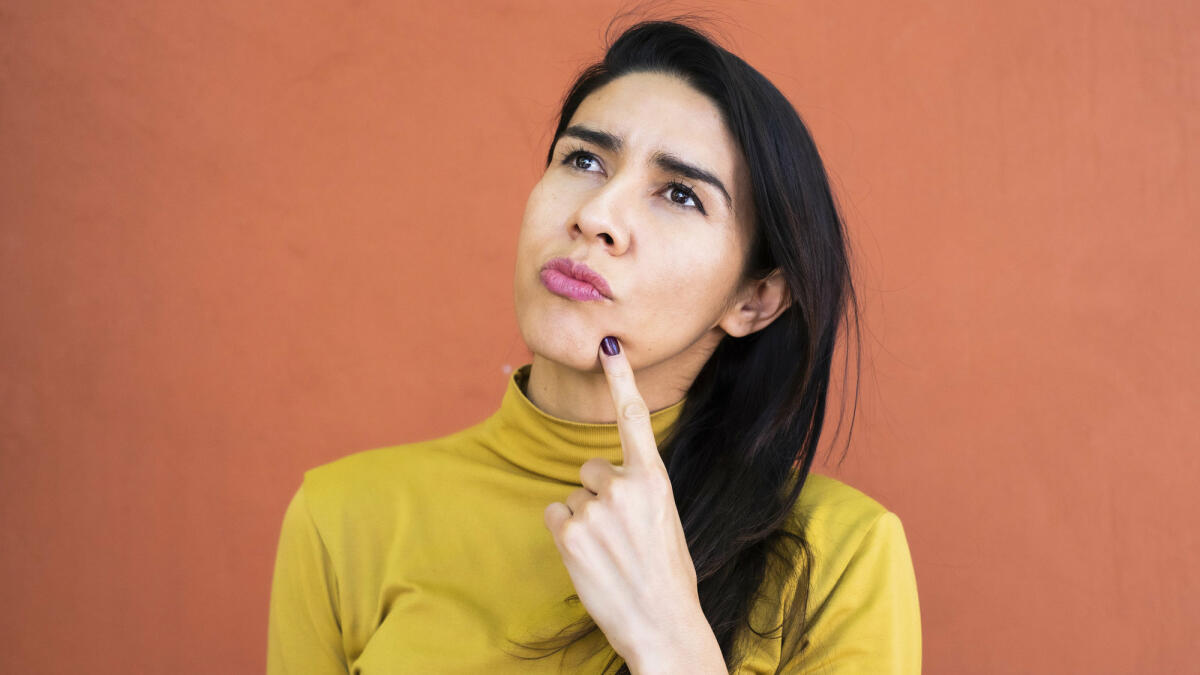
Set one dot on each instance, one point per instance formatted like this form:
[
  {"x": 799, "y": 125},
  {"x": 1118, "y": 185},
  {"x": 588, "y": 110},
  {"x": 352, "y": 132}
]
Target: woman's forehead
[{"x": 655, "y": 112}]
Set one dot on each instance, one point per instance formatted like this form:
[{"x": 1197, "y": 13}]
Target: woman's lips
[{"x": 565, "y": 277}]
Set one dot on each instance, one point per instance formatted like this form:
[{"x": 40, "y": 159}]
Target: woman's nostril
[{"x": 607, "y": 238}]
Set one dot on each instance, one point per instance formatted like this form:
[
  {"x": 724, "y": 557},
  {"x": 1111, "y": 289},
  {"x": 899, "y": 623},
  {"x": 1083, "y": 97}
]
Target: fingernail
[{"x": 610, "y": 346}]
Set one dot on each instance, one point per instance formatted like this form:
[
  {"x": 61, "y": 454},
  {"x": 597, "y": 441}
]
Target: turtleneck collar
[{"x": 553, "y": 447}]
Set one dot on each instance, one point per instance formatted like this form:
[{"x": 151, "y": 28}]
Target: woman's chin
[
  {"x": 579, "y": 354},
  {"x": 563, "y": 331},
  {"x": 578, "y": 349}
]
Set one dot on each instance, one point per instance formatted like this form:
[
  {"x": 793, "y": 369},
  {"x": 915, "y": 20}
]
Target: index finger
[{"x": 633, "y": 416}]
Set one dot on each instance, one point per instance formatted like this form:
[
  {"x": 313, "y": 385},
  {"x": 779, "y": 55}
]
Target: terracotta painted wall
[{"x": 232, "y": 245}]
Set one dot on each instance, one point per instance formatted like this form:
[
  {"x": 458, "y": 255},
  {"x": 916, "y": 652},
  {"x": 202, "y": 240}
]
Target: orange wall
[{"x": 232, "y": 248}]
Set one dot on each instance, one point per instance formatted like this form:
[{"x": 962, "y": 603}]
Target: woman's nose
[{"x": 604, "y": 214}]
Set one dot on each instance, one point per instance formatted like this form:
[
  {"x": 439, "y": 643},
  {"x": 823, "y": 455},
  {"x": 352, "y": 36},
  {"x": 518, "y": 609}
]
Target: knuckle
[
  {"x": 617, "y": 491},
  {"x": 594, "y": 464},
  {"x": 614, "y": 497},
  {"x": 572, "y": 538},
  {"x": 634, "y": 410},
  {"x": 586, "y": 513}
]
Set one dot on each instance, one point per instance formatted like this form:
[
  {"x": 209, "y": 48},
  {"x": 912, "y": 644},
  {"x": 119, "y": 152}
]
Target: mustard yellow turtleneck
[{"x": 427, "y": 557}]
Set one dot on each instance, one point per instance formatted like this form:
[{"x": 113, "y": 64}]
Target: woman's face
[{"x": 648, "y": 189}]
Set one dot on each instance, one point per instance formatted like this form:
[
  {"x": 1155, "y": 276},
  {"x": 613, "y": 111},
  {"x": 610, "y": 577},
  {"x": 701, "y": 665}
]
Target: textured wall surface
[{"x": 232, "y": 245}]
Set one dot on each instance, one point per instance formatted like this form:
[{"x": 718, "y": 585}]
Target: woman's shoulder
[
  {"x": 861, "y": 583},
  {"x": 383, "y": 473},
  {"x": 835, "y": 503},
  {"x": 859, "y": 545},
  {"x": 837, "y": 517}
]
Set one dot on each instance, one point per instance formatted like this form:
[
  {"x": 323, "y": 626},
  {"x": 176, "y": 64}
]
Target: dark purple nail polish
[{"x": 610, "y": 346}]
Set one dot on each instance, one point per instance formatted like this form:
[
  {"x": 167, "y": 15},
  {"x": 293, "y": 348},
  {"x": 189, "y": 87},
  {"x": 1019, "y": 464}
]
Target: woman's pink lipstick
[{"x": 565, "y": 277}]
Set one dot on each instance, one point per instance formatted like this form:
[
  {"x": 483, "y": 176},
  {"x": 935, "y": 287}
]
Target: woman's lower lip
[{"x": 561, "y": 284}]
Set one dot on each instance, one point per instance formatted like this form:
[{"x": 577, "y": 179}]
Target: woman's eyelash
[
  {"x": 573, "y": 153},
  {"x": 577, "y": 152},
  {"x": 689, "y": 191}
]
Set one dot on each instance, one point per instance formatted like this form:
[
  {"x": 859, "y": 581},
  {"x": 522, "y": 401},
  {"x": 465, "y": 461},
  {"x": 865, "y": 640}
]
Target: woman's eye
[
  {"x": 680, "y": 196},
  {"x": 581, "y": 160},
  {"x": 683, "y": 196}
]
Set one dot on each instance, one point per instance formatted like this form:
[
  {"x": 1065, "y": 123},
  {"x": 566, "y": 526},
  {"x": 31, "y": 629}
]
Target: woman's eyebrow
[
  {"x": 600, "y": 138},
  {"x": 673, "y": 164},
  {"x": 664, "y": 160}
]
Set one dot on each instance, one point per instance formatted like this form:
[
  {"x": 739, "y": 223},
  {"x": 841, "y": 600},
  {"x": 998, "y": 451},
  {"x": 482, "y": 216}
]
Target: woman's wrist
[{"x": 693, "y": 648}]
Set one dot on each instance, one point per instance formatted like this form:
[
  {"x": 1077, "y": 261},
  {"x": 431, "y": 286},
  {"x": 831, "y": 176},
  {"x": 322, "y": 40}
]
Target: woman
[{"x": 681, "y": 254}]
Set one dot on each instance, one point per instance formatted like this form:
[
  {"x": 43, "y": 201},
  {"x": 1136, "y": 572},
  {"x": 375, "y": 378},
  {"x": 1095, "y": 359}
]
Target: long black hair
[{"x": 744, "y": 442}]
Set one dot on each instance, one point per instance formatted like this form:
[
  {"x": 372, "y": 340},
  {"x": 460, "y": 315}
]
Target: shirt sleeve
[
  {"x": 870, "y": 622},
  {"x": 304, "y": 633}
]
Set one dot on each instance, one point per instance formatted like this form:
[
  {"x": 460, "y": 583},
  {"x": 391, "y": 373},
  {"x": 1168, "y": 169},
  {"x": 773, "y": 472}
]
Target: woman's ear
[{"x": 759, "y": 303}]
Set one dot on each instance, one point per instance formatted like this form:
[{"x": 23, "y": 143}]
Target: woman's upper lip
[{"x": 580, "y": 271}]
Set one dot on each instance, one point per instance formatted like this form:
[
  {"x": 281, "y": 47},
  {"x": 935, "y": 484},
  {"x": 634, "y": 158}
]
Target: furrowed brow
[
  {"x": 664, "y": 160},
  {"x": 601, "y": 138},
  {"x": 673, "y": 164}
]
